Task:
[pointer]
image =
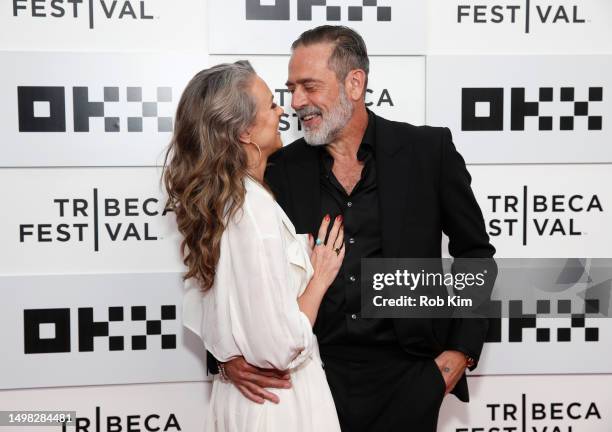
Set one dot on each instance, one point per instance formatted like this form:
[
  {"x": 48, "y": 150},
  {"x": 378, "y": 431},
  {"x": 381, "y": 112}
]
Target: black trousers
[{"x": 383, "y": 389}]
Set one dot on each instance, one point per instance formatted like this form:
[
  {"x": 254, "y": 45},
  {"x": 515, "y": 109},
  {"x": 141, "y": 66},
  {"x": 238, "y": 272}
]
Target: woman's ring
[
  {"x": 319, "y": 242},
  {"x": 337, "y": 250}
]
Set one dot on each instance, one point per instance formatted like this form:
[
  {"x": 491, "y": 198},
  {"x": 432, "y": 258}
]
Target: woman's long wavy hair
[{"x": 205, "y": 163}]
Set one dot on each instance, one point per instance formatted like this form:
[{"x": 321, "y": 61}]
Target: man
[{"x": 398, "y": 187}]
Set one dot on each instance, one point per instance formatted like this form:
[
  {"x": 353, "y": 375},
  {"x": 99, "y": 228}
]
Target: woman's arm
[{"x": 268, "y": 325}]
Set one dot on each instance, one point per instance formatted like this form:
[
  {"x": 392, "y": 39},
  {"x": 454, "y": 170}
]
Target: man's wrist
[{"x": 469, "y": 361}]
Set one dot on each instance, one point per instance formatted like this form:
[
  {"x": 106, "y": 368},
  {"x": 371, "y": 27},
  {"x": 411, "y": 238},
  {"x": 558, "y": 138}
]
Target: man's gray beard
[{"x": 330, "y": 127}]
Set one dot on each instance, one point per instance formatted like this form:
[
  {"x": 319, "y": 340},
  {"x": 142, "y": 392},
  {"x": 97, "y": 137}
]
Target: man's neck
[{"x": 344, "y": 148}]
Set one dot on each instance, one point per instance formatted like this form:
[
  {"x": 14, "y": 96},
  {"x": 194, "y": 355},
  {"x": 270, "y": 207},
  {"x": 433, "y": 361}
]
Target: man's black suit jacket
[{"x": 424, "y": 190}]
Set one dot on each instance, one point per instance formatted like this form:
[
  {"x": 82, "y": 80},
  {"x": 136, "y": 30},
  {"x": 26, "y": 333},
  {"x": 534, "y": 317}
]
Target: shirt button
[
  {"x": 349, "y": 204},
  {"x": 352, "y": 278},
  {"x": 351, "y": 240},
  {"x": 354, "y": 316}
]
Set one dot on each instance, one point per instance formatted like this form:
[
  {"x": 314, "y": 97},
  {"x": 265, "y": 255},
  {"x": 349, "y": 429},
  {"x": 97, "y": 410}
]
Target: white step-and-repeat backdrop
[{"x": 89, "y": 262}]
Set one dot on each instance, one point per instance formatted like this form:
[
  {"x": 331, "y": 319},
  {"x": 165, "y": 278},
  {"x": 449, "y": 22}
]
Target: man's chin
[{"x": 314, "y": 140}]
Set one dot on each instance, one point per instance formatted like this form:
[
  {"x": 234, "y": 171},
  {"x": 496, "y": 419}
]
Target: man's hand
[
  {"x": 251, "y": 380},
  {"x": 452, "y": 364}
]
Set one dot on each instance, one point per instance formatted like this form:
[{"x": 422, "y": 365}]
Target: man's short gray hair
[{"x": 349, "y": 48}]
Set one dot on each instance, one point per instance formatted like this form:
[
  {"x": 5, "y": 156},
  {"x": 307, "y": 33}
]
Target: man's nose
[{"x": 298, "y": 99}]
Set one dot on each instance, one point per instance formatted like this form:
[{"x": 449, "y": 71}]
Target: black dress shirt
[{"x": 338, "y": 324}]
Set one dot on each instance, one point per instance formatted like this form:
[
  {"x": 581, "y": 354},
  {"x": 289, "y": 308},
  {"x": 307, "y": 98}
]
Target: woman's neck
[{"x": 257, "y": 167}]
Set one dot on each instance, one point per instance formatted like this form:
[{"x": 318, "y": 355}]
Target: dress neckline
[{"x": 254, "y": 184}]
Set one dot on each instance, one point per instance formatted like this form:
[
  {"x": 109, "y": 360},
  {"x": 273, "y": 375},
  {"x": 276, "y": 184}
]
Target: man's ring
[{"x": 319, "y": 242}]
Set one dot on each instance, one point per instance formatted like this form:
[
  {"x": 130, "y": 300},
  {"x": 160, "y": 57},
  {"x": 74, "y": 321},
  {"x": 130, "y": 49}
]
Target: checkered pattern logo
[
  {"x": 52, "y": 117},
  {"x": 482, "y": 109},
  {"x": 522, "y": 108},
  {"x": 519, "y": 321},
  {"x": 564, "y": 334},
  {"x": 48, "y": 330},
  {"x": 280, "y": 10},
  {"x": 84, "y": 109}
]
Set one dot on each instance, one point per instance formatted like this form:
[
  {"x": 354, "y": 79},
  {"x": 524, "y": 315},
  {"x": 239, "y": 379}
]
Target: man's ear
[{"x": 355, "y": 84}]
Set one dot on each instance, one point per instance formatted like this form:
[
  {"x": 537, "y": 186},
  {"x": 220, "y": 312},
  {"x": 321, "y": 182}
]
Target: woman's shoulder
[
  {"x": 257, "y": 197},
  {"x": 256, "y": 189},
  {"x": 260, "y": 209}
]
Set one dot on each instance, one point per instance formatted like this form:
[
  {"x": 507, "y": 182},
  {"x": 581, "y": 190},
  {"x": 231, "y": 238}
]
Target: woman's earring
[{"x": 258, "y": 149}]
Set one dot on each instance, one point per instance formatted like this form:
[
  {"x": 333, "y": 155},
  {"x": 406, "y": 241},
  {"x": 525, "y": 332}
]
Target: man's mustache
[{"x": 306, "y": 111}]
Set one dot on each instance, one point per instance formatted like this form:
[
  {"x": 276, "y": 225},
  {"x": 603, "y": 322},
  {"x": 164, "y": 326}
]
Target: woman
[{"x": 253, "y": 289}]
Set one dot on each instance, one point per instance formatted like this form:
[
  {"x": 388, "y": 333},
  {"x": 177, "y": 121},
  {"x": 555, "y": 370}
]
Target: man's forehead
[
  {"x": 314, "y": 53},
  {"x": 308, "y": 62}
]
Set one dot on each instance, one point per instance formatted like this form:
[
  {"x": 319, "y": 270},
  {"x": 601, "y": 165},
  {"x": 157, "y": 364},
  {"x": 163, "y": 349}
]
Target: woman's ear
[{"x": 245, "y": 137}]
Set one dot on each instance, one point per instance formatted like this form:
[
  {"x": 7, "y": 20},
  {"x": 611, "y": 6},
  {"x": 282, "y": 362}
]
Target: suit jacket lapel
[
  {"x": 395, "y": 180},
  {"x": 303, "y": 174},
  {"x": 395, "y": 185}
]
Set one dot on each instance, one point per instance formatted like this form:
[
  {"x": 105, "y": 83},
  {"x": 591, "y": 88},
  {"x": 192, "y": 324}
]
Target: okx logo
[
  {"x": 92, "y": 10},
  {"x": 482, "y": 109},
  {"x": 281, "y": 10},
  {"x": 574, "y": 329},
  {"x": 44, "y": 109},
  {"x": 48, "y": 330}
]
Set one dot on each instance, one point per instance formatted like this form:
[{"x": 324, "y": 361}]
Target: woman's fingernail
[
  {"x": 339, "y": 218},
  {"x": 326, "y": 218}
]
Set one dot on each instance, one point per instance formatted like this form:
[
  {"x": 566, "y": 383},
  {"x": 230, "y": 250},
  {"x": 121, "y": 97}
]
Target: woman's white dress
[{"x": 252, "y": 311}]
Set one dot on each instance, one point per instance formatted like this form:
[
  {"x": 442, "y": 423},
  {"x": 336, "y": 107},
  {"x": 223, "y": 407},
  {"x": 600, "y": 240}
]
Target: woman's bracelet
[{"x": 221, "y": 368}]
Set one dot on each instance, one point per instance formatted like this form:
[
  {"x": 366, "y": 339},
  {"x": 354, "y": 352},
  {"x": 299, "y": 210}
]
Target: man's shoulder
[
  {"x": 295, "y": 151},
  {"x": 284, "y": 161},
  {"x": 419, "y": 131},
  {"x": 423, "y": 138}
]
